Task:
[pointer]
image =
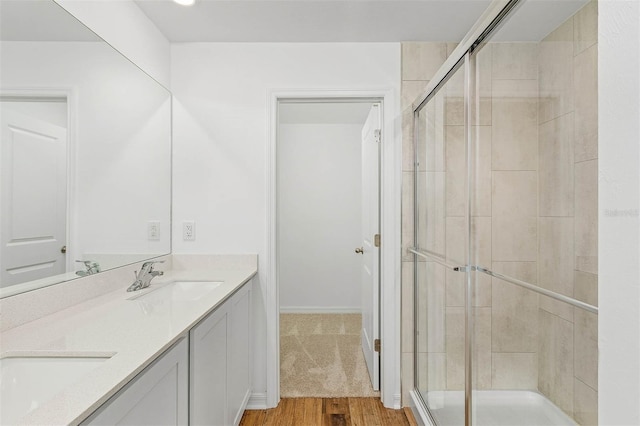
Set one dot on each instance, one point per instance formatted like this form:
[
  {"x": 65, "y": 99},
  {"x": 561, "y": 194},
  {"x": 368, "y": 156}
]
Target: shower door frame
[
  {"x": 461, "y": 57},
  {"x": 464, "y": 57}
]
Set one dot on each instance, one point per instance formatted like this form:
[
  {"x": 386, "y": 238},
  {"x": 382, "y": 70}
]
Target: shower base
[{"x": 497, "y": 408}]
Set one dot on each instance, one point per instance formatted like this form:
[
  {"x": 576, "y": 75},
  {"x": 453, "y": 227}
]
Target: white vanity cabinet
[
  {"x": 220, "y": 363},
  {"x": 201, "y": 380},
  {"x": 157, "y": 396}
]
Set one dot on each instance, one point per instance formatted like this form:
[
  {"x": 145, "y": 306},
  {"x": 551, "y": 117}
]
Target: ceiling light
[{"x": 185, "y": 2}]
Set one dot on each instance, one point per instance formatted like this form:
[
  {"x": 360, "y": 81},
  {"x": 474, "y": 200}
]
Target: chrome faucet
[
  {"x": 91, "y": 268},
  {"x": 146, "y": 274}
]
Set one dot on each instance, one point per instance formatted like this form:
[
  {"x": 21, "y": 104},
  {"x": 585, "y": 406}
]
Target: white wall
[
  {"x": 221, "y": 127},
  {"x": 120, "y": 140},
  {"x": 319, "y": 217},
  {"x": 619, "y": 212},
  {"x": 122, "y": 24}
]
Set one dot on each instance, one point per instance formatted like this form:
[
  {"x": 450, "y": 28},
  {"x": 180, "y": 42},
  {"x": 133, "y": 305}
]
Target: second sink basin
[
  {"x": 181, "y": 291},
  {"x": 28, "y": 382}
]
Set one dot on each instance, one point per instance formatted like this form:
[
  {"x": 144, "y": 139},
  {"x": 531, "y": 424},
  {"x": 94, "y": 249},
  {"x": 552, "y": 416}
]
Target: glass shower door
[{"x": 441, "y": 235}]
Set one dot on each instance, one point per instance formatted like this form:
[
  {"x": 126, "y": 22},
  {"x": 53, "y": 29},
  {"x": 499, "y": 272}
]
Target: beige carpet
[{"x": 321, "y": 356}]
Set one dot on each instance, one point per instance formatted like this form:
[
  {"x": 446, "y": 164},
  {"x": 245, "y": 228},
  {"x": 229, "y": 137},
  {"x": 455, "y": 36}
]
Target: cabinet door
[
  {"x": 208, "y": 372},
  {"x": 239, "y": 385},
  {"x": 157, "y": 396}
]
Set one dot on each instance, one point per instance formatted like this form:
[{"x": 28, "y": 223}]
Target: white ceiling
[
  {"x": 346, "y": 20},
  {"x": 22, "y": 20},
  {"x": 314, "y": 20}
]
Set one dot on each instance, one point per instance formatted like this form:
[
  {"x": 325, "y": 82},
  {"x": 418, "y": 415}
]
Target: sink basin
[
  {"x": 181, "y": 291},
  {"x": 28, "y": 382}
]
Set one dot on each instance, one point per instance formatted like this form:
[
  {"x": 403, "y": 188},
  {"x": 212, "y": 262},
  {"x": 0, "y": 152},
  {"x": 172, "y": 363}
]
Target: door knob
[
  {"x": 63, "y": 249},
  {"x": 360, "y": 250}
]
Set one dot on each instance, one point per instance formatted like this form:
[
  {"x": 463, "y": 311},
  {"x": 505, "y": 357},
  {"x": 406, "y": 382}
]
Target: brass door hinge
[
  {"x": 376, "y": 345},
  {"x": 376, "y": 240}
]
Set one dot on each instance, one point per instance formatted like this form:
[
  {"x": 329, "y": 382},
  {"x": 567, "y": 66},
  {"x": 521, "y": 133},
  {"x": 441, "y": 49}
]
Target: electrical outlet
[
  {"x": 153, "y": 230},
  {"x": 188, "y": 230}
]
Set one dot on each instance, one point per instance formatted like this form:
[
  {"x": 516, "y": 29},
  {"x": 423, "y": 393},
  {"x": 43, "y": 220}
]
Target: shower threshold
[{"x": 497, "y": 408}]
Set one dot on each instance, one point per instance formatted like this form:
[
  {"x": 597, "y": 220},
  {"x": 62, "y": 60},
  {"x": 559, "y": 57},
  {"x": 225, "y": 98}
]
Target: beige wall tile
[
  {"x": 457, "y": 240},
  {"x": 455, "y": 348},
  {"x": 431, "y": 137},
  {"x": 555, "y": 262},
  {"x": 585, "y": 403},
  {"x": 454, "y": 99},
  {"x": 407, "y": 307},
  {"x": 514, "y": 238},
  {"x": 561, "y": 309},
  {"x": 431, "y": 214},
  {"x": 451, "y": 46},
  {"x": 555, "y": 259},
  {"x": 515, "y": 61},
  {"x": 455, "y": 254},
  {"x": 437, "y": 371},
  {"x": 585, "y": 27},
  {"x": 411, "y": 89},
  {"x": 514, "y": 125},
  {"x": 407, "y": 215},
  {"x": 555, "y": 360},
  {"x": 555, "y": 167},
  {"x": 455, "y": 157},
  {"x": 421, "y": 60},
  {"x": 514, "y": 371},
  {"x": 555, "y": 72},
  {"x": 431, "y": 308},
  {"x": 585, "y": 73},
  {"x": 482, "y": 348},
  {"x": 515, "y": 309},
  {"x": 422, "y": 370},
  {"x": 585, "y": 287},
  {"x": 455, "y": 288},
  {"x": 514, "y": 193},
  {"x": 481, "y": 249},
  {"x": 484, "y": 86},
  {"x": 586, "y": 347},
  {"x": 481, "y": 194},
  {"x": 586, "y": 215},
  {"x": 407, "y": 141},
  {"x": 406, "y": 384}
]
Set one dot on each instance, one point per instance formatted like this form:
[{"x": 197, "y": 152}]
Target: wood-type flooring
[{"x": 328, "y": 412}]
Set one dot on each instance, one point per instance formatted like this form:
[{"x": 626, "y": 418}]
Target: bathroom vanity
[{"x": 178, "y": 352}]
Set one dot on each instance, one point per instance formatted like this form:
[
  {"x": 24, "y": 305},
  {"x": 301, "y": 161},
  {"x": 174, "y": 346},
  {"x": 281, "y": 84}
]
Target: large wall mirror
[{"x": 85, "y": 154}]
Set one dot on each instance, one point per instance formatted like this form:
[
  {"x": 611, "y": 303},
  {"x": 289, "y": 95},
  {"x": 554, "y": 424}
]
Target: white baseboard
[
  {"x": 257, "y": 401},
  {"x": 397, "y": 401},
  {"x": 320, "y": 310}
]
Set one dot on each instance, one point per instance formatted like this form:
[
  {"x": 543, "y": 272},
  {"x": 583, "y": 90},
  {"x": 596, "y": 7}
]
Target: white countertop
[{"x": 132, "y": 331}]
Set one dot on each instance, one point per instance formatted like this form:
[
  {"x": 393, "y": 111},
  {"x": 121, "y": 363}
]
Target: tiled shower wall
[
  {"x": 536, "y": 218},
  {"x": 568, "y": 203}
]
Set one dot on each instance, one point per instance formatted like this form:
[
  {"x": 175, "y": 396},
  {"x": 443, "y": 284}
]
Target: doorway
[
  {"x": 34, "y": 216},
  {"x": 328, "y": 210}
]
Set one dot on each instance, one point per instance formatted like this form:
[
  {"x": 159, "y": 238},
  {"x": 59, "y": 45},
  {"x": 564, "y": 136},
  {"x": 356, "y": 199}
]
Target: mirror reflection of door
[{"x": 33, "y": 212}]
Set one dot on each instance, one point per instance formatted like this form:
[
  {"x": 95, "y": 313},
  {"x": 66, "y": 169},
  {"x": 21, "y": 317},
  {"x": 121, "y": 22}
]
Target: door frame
[
  {"x": 390, "y": 231},
  {"x": 26, "y": 94}
]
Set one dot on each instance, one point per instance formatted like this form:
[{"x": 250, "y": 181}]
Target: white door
[
  {"x": 33, "y": 156},
  {"x": 371, "y": 139}
]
